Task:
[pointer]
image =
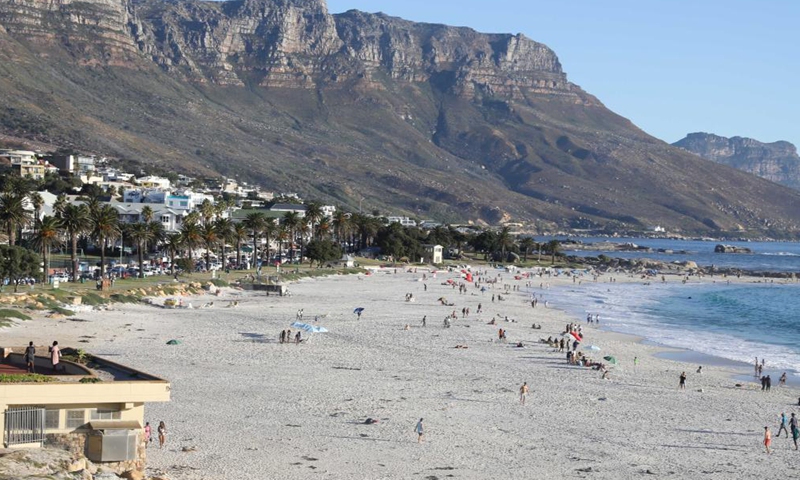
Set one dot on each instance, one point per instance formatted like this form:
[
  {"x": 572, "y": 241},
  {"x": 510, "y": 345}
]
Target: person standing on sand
[
  {"x": 30, "y": 358},
  {"x": 523, "y": 393},
  {"x": 420, "y": 429},
  {"x": 794, "y": 429},
  {"x": 782, "y": 427},
  {"x": 55, "y": 356},
  {"x": 424, "y": 320},
  {"x": 162, "y": 434},
  {"x": 148, "y": 430},
  {"x": 682, "y": 384},
  {"x": 767, "y": 438},
  {"x": 769, "y": 383},
  {"x": 782, "y": 380}
]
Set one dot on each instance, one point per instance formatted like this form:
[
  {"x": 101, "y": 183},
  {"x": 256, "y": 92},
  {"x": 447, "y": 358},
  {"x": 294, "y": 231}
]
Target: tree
[
  {"x": 210, "y": 236},
  {"x": 74, "y": 221},
  {"x": 12, "y": 214},
  {"x": 504, "y": 242},
  {"x": 270, "y": 230},
  {"x": 207, "y": 211},
  {"x": 313, "y": 216},
  {"x": 140, "y": 233},
  {"x": 341, "y": 226},
  {"x": 240, "y": 234},
  {"x": 255, "y": 222},
  {"x": 103, "y": 227},
  {"x": 147, "y": 214},
  {"x": 526, "y": 245},
  {"x": 224, "y": 229},
  {"x": 60, "y": 204},
  {"x": 291, "y": 220},
  {"x": 553, "y": 246},
  {"x": 319, "y": 250},
  {"x": 37, "y": 202},
  {"x": 45, "y": 238},
  {"x": 173, "y": 243},
  {"x": 17, "y": 263},
  {"x": 191, "y": 238}
]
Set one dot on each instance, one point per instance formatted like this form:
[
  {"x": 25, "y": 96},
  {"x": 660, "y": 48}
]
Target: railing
[{"x": 24, "y": 425}]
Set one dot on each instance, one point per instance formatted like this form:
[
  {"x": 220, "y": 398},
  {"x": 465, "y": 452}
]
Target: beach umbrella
[
  {"x": 358, "y": 310},
  {"x": 576, "y": 336},
  {"x": 174, "y": 342},
  {"x": 610, "y": 359},
  {"x": 594, "y": 348}
]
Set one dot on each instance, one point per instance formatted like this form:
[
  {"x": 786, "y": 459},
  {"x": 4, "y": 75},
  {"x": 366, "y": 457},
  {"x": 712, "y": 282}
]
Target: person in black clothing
[
  {"x": 763, "y": 383},
  {"x": 794, "y": 429},
  {"x": 682, "y": 384},
  {"x": 30, "y": 358},
  {"x": 769, "y": 383}
]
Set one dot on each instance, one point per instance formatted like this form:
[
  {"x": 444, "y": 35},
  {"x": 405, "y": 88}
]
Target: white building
[
  {"x": 187, "y": 200},
  {"x": 328, "y": 211},
  {"x": 144, "y": 195},
  {"x": 19, "y": 157},
  {"x": 404, "y": 221},
  {"x": 154, "y": 182},
  {"x": 170, "y": 218}
]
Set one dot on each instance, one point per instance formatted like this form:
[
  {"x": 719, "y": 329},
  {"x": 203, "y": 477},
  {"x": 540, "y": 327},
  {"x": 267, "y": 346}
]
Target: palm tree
[
  {"x": 504, "y": 242},
  {"x": 60, "y": 204},
  {"x": 283, "y": 237},
  {"x": 140, "y": 233},
  {"x": 270, "y": 229},
  {"x": 147, "y": 214},
  {"x": 173, "y": 243},
  {"x": 37, "y": 202},
  {"x": 157, "y": 234},
  {"x": 291, "y": 220},
  {"x": 46, "y": 237},
  {"x": 207, "y": 211},
  {"x": 224, "y": 229},
  {"x": 324, "y": 227},
  {"x": 313, "y": 216},
  {"x": 255, "y": 222},
  {"x": 240, "y": 233},
  {"x": 553, "y": 246},
  {"x": 74, "y": 221},
  {"x": 13, "y": 214},
  {"x": 341, "y": 225},
  {"x": 526, "y": 244},
  {"x": 192, "y": 237},
  {"x": 103, "y": 227},
  {"x": 210, "y": 237}
]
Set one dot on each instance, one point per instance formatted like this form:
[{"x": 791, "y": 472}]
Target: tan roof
[{"x": 115, "y": 425}]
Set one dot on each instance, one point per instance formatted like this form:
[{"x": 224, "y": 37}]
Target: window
[
  {"x": 52, "y": 419},
  {"x": 106, "y": 414},
  {"x": 76, "y": 418}
]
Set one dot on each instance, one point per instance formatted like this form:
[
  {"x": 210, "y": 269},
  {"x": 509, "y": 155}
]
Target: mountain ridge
[
  {"x": 426, "y": 119},
  {"x": 775, "y": 161}
]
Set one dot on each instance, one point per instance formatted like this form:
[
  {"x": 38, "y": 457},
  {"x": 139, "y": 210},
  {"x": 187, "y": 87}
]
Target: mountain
[
  {"x": 777, "y": 162},
  {"x": 430, "y": 120}
]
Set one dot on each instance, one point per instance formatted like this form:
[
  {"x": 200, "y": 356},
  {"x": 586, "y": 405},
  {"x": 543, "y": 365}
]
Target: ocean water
[
  {"x": 733, "y": 321},
  {"x": 766, "y": 256}
]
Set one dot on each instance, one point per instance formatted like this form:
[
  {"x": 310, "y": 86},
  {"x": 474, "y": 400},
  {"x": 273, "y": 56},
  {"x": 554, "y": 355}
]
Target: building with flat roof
[{"x": 91, "y": 406}]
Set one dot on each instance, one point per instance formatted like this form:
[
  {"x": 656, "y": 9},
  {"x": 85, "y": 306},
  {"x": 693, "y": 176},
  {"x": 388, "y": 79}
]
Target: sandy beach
[{"x": 258, "y": 409}]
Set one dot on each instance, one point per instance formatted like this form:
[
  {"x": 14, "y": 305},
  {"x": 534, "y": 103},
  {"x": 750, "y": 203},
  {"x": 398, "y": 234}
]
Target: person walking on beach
[
  {"x": 769, "y": 383},
  {"x": 682, "y": 384},
  {"x": 782, "y": 427},
  {"x": 794, "y": 429},
  {"x": 782, "y": 380},
  {"x": 30, "y": 358},
  {"x": 755, "y": 365},
  {"x": 162, "y": 434},
  {"x": 55, "y": 356},
  {"x": 148, "y": 431},
  {"x": 767, "y": 438},
  {"x": 420, "y": 429},
  {"x": 424, "y": 320},
  {"x": 523, "y": 393}
]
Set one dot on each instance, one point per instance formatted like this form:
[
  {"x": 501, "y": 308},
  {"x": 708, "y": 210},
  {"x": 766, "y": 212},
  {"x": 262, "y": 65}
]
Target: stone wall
[{"x": 75, "y": 443}]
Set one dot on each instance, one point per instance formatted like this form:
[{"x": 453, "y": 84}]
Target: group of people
[
  {"x": 30, "y": 356},
  {"x": 161, "y": 431},
  {"x": 793, "y": 428},
  {"x": 286, "y": 336}
]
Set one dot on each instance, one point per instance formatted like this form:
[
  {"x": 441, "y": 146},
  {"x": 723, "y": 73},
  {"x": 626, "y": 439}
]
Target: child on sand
[
  {"x": 420, "y": 431},
  {"x": 523, "y": 392},
  {"x": 767, "y": 438}
]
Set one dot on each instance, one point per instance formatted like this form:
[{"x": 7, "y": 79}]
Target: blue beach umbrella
[{"x": 358, "y": 310}]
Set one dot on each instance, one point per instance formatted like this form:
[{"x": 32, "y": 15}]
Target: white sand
[{"x": 256, "y": 409}]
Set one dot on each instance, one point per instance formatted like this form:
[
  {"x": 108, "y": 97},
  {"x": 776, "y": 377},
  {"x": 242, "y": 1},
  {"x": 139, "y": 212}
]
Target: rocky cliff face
[
  {"x": 426, "y": 120},
  {"x": 777, "y": 161}
]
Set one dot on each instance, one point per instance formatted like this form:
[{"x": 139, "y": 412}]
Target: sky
[{"x": 729, "y": 67}]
